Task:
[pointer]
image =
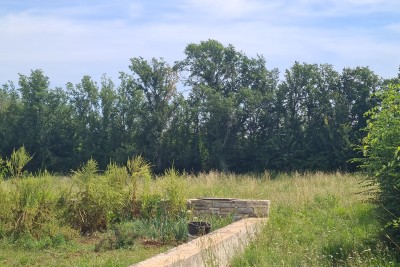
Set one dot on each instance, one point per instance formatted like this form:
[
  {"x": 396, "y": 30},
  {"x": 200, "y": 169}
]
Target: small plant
[
  {"x": 18, "y": 160},
  {"x": 123, "y": 235},
  {"x": 138, "y": 169},
  {"x": 168, "y": 229},
  {"x": 152, "y": 206},
  {"x": 174, "y": 192},
  {"x": 117, "y": 176},
  {"x": 3, "y": 168}
]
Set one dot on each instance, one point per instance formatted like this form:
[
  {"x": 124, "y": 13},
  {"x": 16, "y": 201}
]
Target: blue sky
[{"x": 69, "y": 39}]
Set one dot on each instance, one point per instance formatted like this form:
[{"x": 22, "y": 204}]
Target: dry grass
[{"x": 316, "y": 219}]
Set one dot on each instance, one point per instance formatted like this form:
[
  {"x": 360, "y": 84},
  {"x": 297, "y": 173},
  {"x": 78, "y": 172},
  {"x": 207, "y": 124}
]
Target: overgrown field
[{"x": 116, "y": 219}]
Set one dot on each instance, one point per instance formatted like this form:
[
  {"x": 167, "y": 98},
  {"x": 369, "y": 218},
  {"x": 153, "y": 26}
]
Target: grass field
[{"x": 315, "y": 220}]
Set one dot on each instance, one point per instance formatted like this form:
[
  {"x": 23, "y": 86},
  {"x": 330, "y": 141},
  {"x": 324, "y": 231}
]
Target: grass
[
  {"x": 78, "y": 253},
  {"x": 319, "y": 220},
  {"x": 315, "y": 220}
]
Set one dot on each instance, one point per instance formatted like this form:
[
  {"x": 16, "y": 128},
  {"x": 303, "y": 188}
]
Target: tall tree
[
  {"x": 84, "y": 98},
  {"x": 11, "y": 114},
  {"x": 358, "y": 86},
  {"x": 157, "y": 80},
  {"x": 220, "y": 79}
]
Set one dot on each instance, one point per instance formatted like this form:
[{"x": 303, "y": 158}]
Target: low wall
[
  {"x": 239, "y": 208},
  {"x": 218, "y": 247},
  {"x": 214, "y": 249}
]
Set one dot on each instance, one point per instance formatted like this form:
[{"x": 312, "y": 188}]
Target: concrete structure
[
  {"x": 214, "y": 249},
  {"x": 218, "y": 247}
]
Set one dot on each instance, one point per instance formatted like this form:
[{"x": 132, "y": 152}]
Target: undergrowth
[{"x": 315, "y": 219}]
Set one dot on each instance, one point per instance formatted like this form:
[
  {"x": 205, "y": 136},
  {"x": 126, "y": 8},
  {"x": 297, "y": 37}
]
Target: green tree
[
  {"x": 221, "y": 80},
  {"x": 381, "y": 149},
  {"x": 11, "y": 114},
  {"x": 157, "y": 80},
  {"x": 34, "y": 91},
  {"x": 110, "y": 127},
  {"x": 84, "y": 98}
]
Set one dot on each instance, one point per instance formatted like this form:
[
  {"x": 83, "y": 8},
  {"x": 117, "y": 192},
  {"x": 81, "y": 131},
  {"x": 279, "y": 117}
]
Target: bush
[
  {"x": 18, "y": 160},
  {"x": 174, "y": 192},
  {"x": 382, "y": 150},
  {"x": 138, "y": 169},
  {"x": 91, "y": 202},
  {"x": 33, "y": 212}
]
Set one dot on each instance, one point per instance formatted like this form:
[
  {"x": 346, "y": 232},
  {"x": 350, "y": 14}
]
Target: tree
[
  {"x": 358, "y": 86},
  {"x": 222, "y": 81},
  {"x": 11, "y": 113},
  {"x": 84, "y": 98},
  {"x": 157, "y": 81},
  {"x": 381, "y": 149}
]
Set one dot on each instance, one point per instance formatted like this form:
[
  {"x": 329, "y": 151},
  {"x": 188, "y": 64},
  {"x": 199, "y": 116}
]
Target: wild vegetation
[
  {"x": 316, "y": 220},
  {"x": 320, "y": 220},
  {"x": 91, "y": 212},
  {"x": 233, "y": 115},
  {"x": 381, "y": 148}
]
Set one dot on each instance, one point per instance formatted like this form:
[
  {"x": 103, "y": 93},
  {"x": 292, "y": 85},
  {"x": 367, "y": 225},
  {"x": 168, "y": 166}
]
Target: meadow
[{"x": 316, "y": 219}]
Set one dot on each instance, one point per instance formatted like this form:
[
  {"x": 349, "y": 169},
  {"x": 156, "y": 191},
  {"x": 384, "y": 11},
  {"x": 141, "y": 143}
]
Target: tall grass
[
  {"x": 315, "y": 219},
  {"x": 319, "y": 220}
]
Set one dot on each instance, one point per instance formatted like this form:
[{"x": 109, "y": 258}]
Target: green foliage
[
  {"x": 6, "y": 207},
  {"x": 34, "y": 214},
  {"x": 168, "y": 229},
  {"x": 3, "y": 168},
  {"x": 382, "y": 151},
  {"x": 91, "y": 202},
  {"x": 138, "y": 169},
  {"x": 123, "y": 235},
  {"x": 18, "y": 160},
  {"x": 327, "y": 231},
  {"x": 152, "y": 206},
  {"x": 174, "y": 192},
  {"x": 233, "y": 115}
]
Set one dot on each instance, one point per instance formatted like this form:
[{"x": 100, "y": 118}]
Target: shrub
[
  {"x": 34, "y": 214},
  {"x": 174, "y": 192},
  {"x": 138, "y": 169},
  {"x": 3, "y": 168},
  {"x": 18, "y": 160},
  {"x": 382, "y": 150},
  {"x": 5, "y": 208},
  {"x": 87, "y": 205}
]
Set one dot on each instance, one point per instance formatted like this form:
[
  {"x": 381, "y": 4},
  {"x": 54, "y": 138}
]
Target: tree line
[{"x": 235, "y": 115}]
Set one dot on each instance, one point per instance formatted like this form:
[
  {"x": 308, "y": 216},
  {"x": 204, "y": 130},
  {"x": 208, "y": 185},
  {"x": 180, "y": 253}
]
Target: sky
[{"x": 68, "y": 39}]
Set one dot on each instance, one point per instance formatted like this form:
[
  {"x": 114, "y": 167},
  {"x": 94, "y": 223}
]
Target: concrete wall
[
  {"x": 218, "y": 247},
  {"x": 215, "y": 249}
]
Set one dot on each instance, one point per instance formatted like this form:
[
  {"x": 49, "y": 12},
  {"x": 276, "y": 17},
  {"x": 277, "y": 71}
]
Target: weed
[{"x": 18, "y": 160}]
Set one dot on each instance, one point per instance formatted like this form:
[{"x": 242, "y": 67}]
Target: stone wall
[{"x": 238, "y": 208}]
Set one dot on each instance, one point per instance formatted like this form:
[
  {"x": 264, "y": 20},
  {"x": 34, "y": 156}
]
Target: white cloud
[{"x": 72, "y": 42}]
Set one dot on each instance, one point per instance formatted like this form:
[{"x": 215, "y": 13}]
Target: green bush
[
  {"x": 18, "y": 160},
  {"x": 382, "y": 151},
  {"x": 90, "y": 204},
  {"x": 138, "y": 169},
  {"x": 5, "y": 208},
  {"x": 34, "y": 214},
  {"x": 3, "y": 168},
  {"x": 168, "y": 229},
  {"x": 174, "y": 192},
  {"x": 123, "y": 235}
]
